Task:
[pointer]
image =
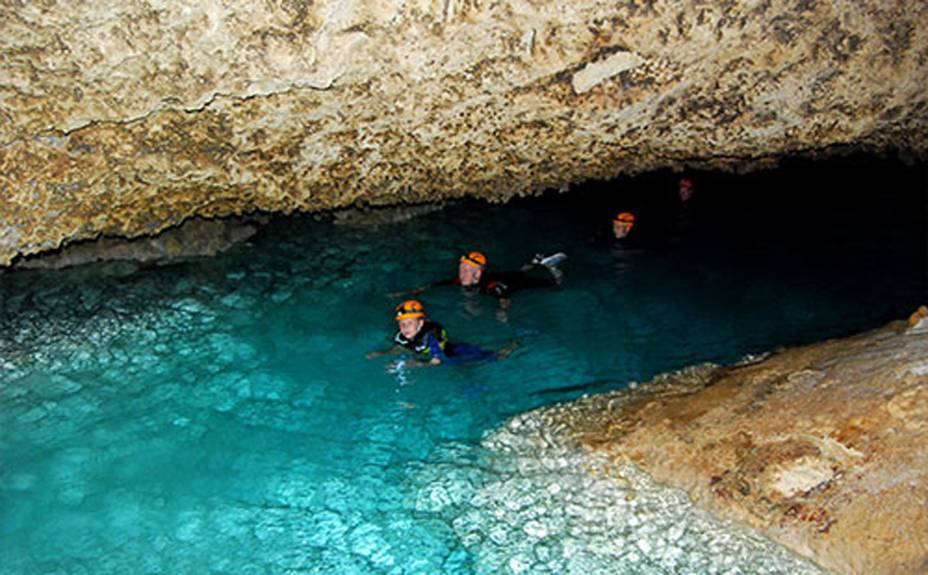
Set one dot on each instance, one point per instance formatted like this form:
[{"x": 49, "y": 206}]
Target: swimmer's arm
[
  {"x": 395, "y": 350},
  {"x": 422, "y": 288},
  {"x": 413, "y": 291},
  {"x": 436, "y": 353}
]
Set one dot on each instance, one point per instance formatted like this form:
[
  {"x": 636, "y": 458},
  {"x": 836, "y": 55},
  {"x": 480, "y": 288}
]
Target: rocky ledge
[{"x": 822, "y": 448}]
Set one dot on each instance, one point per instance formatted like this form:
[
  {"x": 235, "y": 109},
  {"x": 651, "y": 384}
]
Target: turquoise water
[{"x": 219, "y": 416}]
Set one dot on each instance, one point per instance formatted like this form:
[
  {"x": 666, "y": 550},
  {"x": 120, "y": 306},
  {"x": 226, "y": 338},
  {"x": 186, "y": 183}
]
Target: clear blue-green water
[{"x": 218, "y": 415}]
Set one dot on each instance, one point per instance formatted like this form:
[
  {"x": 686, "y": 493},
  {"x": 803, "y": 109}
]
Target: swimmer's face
[
  {"x": 686, "y": 190},
  {"x": 410, "y": 326},
  {"x": 468, "y": 274},
  {"x": 620, "y": 230}
]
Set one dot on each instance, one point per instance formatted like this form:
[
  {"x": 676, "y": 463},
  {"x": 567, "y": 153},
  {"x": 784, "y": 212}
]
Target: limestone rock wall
[
  {"x": 823, "y": 448},
  {"x": 124, "y": 118}
]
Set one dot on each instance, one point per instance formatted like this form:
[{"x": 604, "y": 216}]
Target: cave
[{"x": 695, "y": 339}]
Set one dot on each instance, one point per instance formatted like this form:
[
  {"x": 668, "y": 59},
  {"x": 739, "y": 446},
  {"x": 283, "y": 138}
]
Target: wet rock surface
[
  {"x": 124, "y": 119},
  {"x": 194, "y": 238},
  {"x": 823, "y": 448}
]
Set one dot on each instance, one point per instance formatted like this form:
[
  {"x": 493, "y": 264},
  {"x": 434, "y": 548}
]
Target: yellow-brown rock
[
  {"x": 823, "y": 448},
  {"x": 124, "y": 118}
]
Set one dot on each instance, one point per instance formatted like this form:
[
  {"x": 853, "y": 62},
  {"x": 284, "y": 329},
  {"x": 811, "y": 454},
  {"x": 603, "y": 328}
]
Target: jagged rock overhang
[{"x": 124, "y": 120}]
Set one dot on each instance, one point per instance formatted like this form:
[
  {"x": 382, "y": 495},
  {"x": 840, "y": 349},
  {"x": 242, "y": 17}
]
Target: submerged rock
[
  {"x": 823, "y": 448},
  {"x": 535, "y": 502}
]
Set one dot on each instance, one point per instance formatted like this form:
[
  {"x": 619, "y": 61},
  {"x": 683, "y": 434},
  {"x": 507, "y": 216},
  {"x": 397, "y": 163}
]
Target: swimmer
[
  {"x": 685, "y": 190},
  {"x": 622, "y": 225},
  {"x": 428, "y": 341},
  {"x": 474, "y": 276}
]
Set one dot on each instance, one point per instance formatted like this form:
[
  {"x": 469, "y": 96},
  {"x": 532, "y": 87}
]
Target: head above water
[
  {"x": 686, "y": 189},
  {"x": 410, "y": 316},
  {"x": 470, "y": 268},
  {"x": 623, "y": 224}
]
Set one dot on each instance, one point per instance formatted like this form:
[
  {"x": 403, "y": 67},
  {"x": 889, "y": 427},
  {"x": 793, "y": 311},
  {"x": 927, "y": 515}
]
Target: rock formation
[
  {"x": 123, "y": 119},
  {"x": 194, "y": 238},
  {"x": 823, "y": 448}
]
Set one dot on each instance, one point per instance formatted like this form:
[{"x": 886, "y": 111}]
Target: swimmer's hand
[
  {"x": 382, "y": 352},
  {"x": 507, "y": 349},
  {"x": 435, "y": 361},
  {"x": 404, "y": 293}
]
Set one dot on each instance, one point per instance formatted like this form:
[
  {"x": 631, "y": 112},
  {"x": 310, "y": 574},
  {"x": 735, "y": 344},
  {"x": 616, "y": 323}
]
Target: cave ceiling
[{"x": 126, "y": 118}]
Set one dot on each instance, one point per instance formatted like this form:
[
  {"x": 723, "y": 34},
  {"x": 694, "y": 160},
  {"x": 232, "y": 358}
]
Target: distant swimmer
[
  {"x": 622, "y": 225},
  {"x": 621, "y": 234},
  {"x": 685, "y": 190},
  {"x": 428, "y": 341}
]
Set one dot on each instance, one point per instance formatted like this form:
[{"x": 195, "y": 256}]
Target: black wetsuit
[
  {"x": 502, "y": 285},
  {"x": 431, "y": 341}
]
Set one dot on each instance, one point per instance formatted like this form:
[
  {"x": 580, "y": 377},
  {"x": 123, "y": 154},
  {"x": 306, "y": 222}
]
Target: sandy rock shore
[{"x": 823, "y": 448}]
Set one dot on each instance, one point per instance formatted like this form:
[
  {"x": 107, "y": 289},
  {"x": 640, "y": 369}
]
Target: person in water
[
  {"x": 474, "y": 276},
  {"x": 622, "y": 225},
  {"x": 685, "y": 189},
  {"x": 428, "y": 341}
]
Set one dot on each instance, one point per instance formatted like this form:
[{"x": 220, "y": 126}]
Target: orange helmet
[
  {"x": 625, "y": 218},
  {"x": 410, "y": 308},
  {"x": 476, "y": 259}
]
